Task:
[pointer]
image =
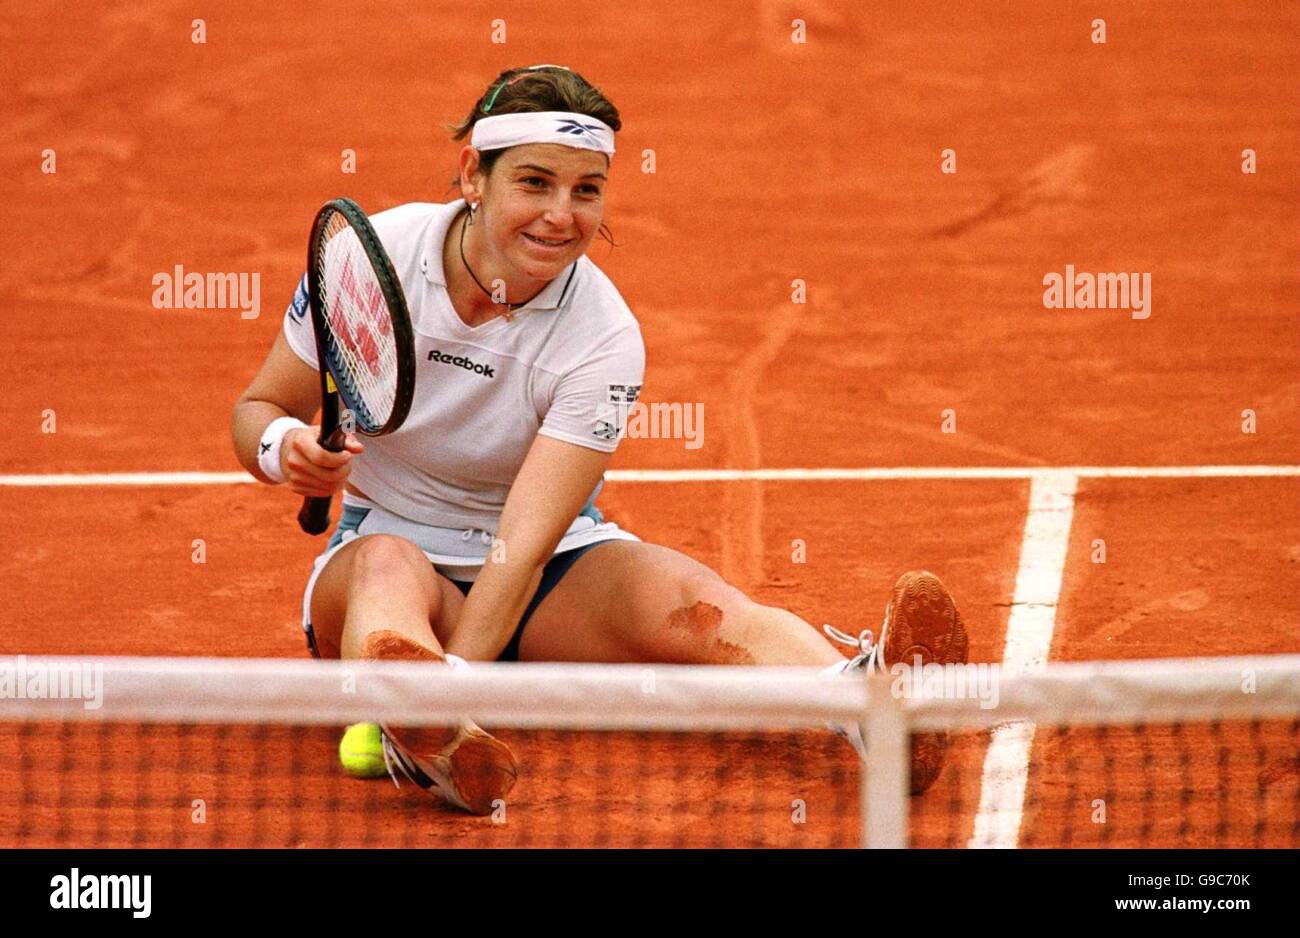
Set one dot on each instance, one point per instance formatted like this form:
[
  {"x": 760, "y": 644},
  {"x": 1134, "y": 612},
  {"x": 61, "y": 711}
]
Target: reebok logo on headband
[
  {"x": 486, "y": 371},
  {"x": 570, "y": 126}
]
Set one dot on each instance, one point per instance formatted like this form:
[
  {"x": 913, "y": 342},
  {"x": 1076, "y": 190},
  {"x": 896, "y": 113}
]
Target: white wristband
[{"x": 268, "y": 451}]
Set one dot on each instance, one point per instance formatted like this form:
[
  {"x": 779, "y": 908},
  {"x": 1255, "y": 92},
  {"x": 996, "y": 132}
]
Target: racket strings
[{"x": 359, "y": 345}]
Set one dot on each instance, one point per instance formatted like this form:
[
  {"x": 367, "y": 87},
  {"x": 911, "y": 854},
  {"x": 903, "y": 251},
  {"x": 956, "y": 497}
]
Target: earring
[{"x": 472, "y": 207}]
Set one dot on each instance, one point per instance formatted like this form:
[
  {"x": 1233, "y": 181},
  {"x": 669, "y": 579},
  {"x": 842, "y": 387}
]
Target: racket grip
[{"x": 314, "y": 515}]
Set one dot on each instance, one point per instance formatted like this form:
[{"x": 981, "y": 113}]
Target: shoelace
[
  {"x": 484, "y": 536},
  {"x": 393, "y": 762},
  {"x": 868, "y": 655}
]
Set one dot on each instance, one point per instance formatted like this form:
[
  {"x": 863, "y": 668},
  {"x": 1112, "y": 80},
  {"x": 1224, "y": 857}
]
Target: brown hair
[{"x": 539, "y": 88}]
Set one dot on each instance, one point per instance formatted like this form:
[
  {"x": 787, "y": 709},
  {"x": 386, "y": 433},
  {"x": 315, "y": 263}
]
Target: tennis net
[{"x": 122, "y": 752}]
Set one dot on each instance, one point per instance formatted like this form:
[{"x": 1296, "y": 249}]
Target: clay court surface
[{"x": 775, "y": 161}]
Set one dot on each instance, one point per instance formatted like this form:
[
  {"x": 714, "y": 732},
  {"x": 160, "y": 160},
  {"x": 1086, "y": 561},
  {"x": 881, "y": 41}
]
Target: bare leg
[{"x": 627, "y": 601}]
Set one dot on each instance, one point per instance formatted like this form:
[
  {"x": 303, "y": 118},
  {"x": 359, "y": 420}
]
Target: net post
[{"x": 885, "y": 784}]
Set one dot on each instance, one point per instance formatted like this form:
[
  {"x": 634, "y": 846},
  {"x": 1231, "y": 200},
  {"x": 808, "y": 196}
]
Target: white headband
[{"x": 562, "y": 127}]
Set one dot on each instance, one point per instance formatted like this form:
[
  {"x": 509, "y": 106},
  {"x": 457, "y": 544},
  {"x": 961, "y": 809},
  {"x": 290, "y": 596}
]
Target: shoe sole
[
  {"x": 923, "y": 622},
  {"x": 474, "y": 771}
]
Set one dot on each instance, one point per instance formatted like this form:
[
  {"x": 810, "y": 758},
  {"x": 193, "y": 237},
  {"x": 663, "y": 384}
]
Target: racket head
[{"x": 363, "y": 326}]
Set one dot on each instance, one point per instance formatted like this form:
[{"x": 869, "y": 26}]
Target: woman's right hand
[{"x": 310, "y": 469}]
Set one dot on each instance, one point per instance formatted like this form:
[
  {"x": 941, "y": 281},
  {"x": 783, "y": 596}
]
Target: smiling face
[{"x": 540, "y": 207}]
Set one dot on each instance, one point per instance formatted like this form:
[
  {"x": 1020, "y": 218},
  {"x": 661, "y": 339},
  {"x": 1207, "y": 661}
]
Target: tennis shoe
[
  {"x": 921, "y": 624},
  {"x": 467, "y": 767}
]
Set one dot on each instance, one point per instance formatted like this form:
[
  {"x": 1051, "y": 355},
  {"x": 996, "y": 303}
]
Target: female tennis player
[{"x": 471, "y": 533}]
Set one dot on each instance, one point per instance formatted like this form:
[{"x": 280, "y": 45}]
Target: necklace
[{"x": 510, "y": 307}]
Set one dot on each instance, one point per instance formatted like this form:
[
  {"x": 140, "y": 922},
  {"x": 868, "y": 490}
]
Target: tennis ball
[{"x": 362, "y": 752}]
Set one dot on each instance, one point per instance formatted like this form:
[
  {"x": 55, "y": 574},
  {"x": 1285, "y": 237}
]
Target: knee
[
  {"x": 705, "y": 624},
  {"x": 386, "y": 561},
  {"x": 697, "y": 588}
]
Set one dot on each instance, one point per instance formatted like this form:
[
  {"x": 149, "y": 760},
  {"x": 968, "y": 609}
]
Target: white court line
[
  {"x": 128, "y": 478},
  {"x": 40, "y": 480},
  {"x": 946, "y": 472},
  {"x": 1028, "y": 644}
]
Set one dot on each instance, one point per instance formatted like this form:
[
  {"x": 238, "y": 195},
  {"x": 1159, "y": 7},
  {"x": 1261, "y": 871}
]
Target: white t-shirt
[{"x": 561, "y": 368}]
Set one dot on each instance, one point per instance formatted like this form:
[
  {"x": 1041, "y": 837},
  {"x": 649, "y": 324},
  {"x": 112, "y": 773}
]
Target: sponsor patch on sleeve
[
  {"x": 298, "y": 307},
  {"x": 606, "y": 430},
  {"x": 624, "y": 393},
  {"x": 610, "y": 419}
]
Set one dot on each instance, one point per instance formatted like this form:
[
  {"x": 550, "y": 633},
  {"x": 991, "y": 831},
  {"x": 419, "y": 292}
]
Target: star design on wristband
[{"x": 266, "y": 448}]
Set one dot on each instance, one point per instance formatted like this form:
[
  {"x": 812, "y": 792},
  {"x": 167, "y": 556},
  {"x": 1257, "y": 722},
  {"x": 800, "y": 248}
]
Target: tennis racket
[{"x": 363, "y": 336}]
